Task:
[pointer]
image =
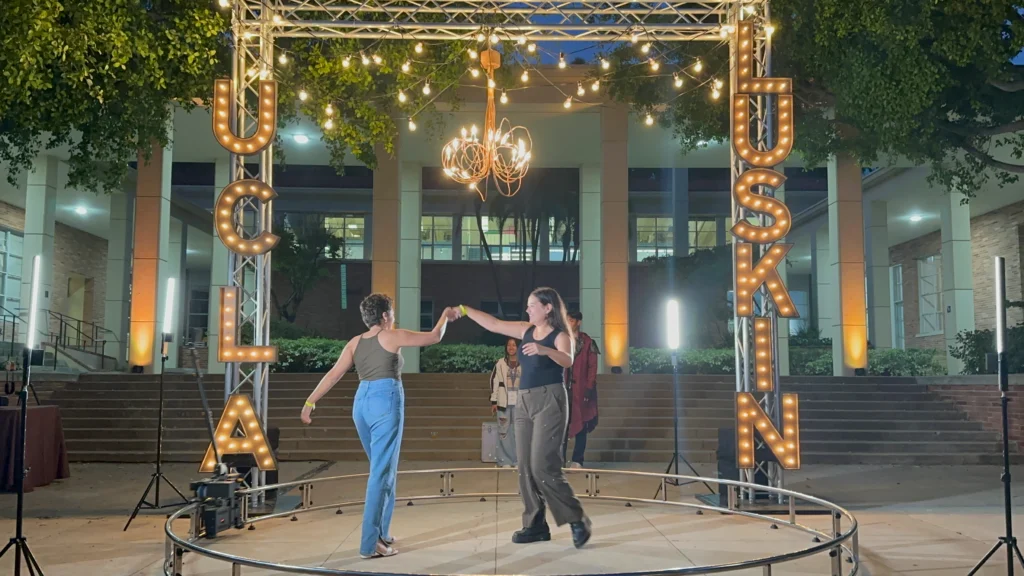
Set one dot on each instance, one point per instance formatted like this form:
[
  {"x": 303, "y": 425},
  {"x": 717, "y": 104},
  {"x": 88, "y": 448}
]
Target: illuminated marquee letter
[
  {"x": 765, "y": 355},
  {"x": 750, "y": 415},
  {"x": 224, "y": 218},
  {"x": 776, "y": 209},
  {"x": 230, "y": 350},
  {"x": 749, "y": 278},
  {"x": 748, "y": 85},
  {"x": 266, "y": 123},
  {"x": 240, "y": 432}
]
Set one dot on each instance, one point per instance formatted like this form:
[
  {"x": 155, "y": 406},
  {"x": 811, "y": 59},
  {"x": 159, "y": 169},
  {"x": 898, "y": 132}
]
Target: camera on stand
[{"x": 219, "y": 506}]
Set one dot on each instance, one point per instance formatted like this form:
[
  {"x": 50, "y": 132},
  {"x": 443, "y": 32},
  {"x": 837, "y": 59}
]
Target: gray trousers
[
  {"x": 541, "y": 418},
  {"x": 505, "y": 452}
]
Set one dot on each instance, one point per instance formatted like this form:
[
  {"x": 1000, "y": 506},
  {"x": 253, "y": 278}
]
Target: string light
[
  {"x": 365, "y": 60},
  {"x": 649, "y": 120},
  {"x": 716, "y": 93},
  {"x": 579, "y": 89},
  {"x": 329, "y": 124},
  {"x": 633, "y": 38},
  {"x": 480, "y": 37},
  {"x": 718, "y": 84},
  {"x": 474, "y": 72},
  {"x": 561, "y": 60},
  {"x": 504, "y": 98},
  {"x": 412, "y": 125},
  {"x": 346, "y": 62},
  {"x": 605, "y": 64},
  {"x": 419, "y": 48},
  {"x": 401, "y": 96},
  {"x": 494, "y": 38},
  {"x": 646, "y": 48},
  {"x": 522, "y": 40},
  {"x": 655, "y": 65},
  {"x": 303, "y": 95},
  {"x": 283, "y": 58},
  {"x": 525, "y": 77},
  {"x": 329, "y": 110},
  {"x": 596, "y": 85},
  {"x": 679, "y": 80},
  {"x": 426, "y": 88},
  {"x": 377, "y": 59},
  {"x": 490, "y": 83},
  {"x": 531, "y": 48},
  {"x": 568, "y": 102},
  {"x": 473, "y": 54},
  {"x": 406, "y": 67},
  {"x": 698, "y": 66},
  {"x": 276, "y": 18},
  {"x": 224, "y": 3}
]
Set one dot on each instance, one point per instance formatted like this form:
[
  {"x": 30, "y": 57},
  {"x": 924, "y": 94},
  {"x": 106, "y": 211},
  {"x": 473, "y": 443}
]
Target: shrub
[
  {"x": 282, "y": 330},
  {"x": 810, "y": 361},
  {"x": 459, "y": 358},
  {"x": 971, "y": 348},
  {"x": 659, "y": 361},
  {"x": 307, "y": 354},
  {"x": 909, "y": 362}
]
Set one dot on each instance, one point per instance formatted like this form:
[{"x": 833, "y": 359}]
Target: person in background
[
  {"x": 504, "y": 392},
  {"x": 582, "y": 391}
]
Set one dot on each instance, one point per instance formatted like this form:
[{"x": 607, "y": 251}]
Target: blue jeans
[{"x": 379, "y": 413}]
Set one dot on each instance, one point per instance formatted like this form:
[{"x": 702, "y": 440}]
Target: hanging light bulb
[
  {"x": 698, "y": 66},
  {"x": 224, "y": 3},
  {"x": 769, "y": 30},
  {"x": 473, "y": 54},
  {"x": 605, "y": 64},
  {"x": 329, "y": 110},
  {"x": 365, "y": 60},
  {"x": 406, "y": 67},
  {"x": 419, "y": 48},
  {"x": 723, "y": 32},
  {"x": 646, "y": 48},
  {"x": 718, "y": 84},
  {"x": 283, "y": 58},
  {"x": 579, "y": 89},
  {"x": 649, "y": 120},
  {"x": 715, "y": 93},
  {"x": 474, "y": 72},
  {"x": 654, "y": 65},
  {"x": 303, "y": 95},
  {"x": 494, "y": 38},
  {"x": 480, "y": 37},
  {"x": 504, "y": 98},
  {"x": 328, "y": 124},
  {"x": 412, "y": 125},
  {"x": 679, "y": 80},
  {"x": 531, "y": 48},
  {"x": 634, "y": 37},
  {"x": 561, "y": 60},
  {"x": 346, "y": 62},
  {"x": 426, "y": 88},
  {"x": 490, "y": 83},
  {"x": 522, "y": 40},
  {"x": 596, "y": 85},
  {"x": 401, "y": 96},
  {"x": 568, "y": 102},
  {"x": 525, "y": 77},
  {"x": 377, "y": 59}
]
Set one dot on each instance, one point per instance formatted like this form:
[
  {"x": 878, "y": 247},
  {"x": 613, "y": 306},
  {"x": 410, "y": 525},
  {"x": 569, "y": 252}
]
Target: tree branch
[
  {"x": 1015, "y": 85},
  {"x": 989, "y": 132},
  {"x": 990, "y": 161}
]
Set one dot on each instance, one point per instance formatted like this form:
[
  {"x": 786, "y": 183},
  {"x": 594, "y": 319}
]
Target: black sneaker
[
  {"x": 532, "y": 534},
  {"x": 581, "y": 532}
]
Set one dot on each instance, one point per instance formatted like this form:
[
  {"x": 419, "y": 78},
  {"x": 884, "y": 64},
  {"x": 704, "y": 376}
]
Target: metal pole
[{"x": 675, "y": 413}]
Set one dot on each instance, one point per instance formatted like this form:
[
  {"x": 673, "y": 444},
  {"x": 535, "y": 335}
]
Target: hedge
[{"x": 319, "y": 354}]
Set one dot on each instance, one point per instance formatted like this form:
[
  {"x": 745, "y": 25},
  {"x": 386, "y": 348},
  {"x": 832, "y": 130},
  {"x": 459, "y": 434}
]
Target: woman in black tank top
[{"x": 541, "y": 414}]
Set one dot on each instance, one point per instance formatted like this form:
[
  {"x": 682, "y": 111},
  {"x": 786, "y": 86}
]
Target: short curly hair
[{"x": 373, "y": 308}]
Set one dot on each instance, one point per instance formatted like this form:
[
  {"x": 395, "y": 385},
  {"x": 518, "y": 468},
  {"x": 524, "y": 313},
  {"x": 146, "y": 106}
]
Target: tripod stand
[
  {"x": 676, "y": 456},
  {"x": 19, "y": 543},
  {"x": 158, "y": 476}
]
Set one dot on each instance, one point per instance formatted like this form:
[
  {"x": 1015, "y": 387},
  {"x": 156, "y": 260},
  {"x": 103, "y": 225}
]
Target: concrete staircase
[{"x": 112, "y": 418}]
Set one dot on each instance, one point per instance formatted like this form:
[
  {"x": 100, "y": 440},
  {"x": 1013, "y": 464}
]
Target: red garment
[{"x": 583, "y": 411}]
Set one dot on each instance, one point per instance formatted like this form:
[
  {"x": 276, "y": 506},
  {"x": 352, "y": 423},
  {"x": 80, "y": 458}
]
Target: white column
[
  {"x": 823, "y": 296},
  {"x": 409, "y": 257},
  {"x": 877, "y": 250},
  {"x": 846, "y": 251},
  {"x": 957, "y": 277},
  {"x": 175, "y": 247},
  {"x": 40, "y": 214},
  {"x": 591, "y": 292},
  {"x": 117, "y": 303},
  {"x": 219, "y": 273}
]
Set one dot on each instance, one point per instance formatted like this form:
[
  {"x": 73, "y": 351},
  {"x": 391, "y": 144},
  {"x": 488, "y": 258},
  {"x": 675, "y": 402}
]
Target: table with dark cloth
[{"x": 46, "y": 454}]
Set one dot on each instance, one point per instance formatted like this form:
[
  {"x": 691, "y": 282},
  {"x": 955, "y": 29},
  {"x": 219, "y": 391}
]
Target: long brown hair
[{"x": 556, "y": 318}]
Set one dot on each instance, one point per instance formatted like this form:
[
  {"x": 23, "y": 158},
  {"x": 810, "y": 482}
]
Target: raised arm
[
  {"x": 343, "y": 365},
  {"x": 401, "y": 338},
  {"x": 492, "y": 324}
]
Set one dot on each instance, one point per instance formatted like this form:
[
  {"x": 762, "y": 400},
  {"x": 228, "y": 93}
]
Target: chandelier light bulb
[
  {"x": 561, "y": 60},
  {"x": 605, "y": 64},
  {"x": 504, "y": 98},
  {"x": 401, "y": 96},
  {"x": 406, "y": 67},
  {"x": 419, "y": 48},
  {"x": 303, "y": 95},
  {"x": 579, "y": 89},
  {"x": 426, "y": 88}
]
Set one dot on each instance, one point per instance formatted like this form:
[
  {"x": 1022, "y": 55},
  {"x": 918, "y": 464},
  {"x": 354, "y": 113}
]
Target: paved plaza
[{"x": 913, "y": 520}]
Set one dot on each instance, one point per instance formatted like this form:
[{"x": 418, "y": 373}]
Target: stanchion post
[{"x": 792, "y": 510}]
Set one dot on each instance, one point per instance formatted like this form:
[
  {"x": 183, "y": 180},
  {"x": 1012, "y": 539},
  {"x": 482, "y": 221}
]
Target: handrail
[
  {"x": 838, "y": 543},
  {"x": 78, "y": 334}
]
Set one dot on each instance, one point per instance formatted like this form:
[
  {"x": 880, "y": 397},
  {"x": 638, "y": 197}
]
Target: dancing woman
[
  {"x": 541, "y": 414},
  {"x": 378, "y": 409}
]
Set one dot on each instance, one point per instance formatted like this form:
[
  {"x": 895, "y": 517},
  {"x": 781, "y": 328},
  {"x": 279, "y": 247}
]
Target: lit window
[
  {"x": 351, "y": 228},
  {"x": 653, "y": 237},
  {"x": 436, "y": 237}
]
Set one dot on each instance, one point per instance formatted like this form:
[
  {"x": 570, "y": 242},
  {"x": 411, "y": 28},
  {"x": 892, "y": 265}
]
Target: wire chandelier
[{"x": 503, "y": 153}]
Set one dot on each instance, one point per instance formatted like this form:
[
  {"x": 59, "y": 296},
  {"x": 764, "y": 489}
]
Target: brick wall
[
  {"x": 74, "y": 252},
  {"x": 997, "y": 233},
  {"x": 981, "y": 404}
]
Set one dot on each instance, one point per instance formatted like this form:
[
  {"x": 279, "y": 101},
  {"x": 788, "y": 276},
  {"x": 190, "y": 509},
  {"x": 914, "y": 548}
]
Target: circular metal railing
[{"x": 838, "y": 543}]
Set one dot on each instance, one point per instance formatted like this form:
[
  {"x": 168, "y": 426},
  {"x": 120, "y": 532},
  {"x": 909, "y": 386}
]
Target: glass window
[
  {"x": 436, "y": 237},
  {"x": 198, "y": 315},
  {"x": 11, "y": 246},
  {"x": 513, "y": 310},
  {"x": 426, "y": 315},
  {"x": 703, "y": 234},
  {"x": 896, "y": 292},
  {"x": 561, "y": 241},
  {"x": 501, "y": 237},
  {"x": 653, "y": 237},
  {"x": 352, "y": 229},
  {"x": 929, "y": 283}
]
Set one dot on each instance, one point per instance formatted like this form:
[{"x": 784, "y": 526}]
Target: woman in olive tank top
[
  {"x": 542, "y": 414},
  {"x": 378, "y": 409}
]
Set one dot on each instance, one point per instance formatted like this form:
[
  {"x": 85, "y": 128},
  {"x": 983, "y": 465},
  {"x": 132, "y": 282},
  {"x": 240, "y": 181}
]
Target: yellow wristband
[
  {"x": 462, "y": 308},
  {"x": 310, "y": 404}
]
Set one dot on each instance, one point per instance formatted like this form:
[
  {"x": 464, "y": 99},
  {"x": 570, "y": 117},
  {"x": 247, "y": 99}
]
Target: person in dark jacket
[{"x": 582, "y": 390}]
